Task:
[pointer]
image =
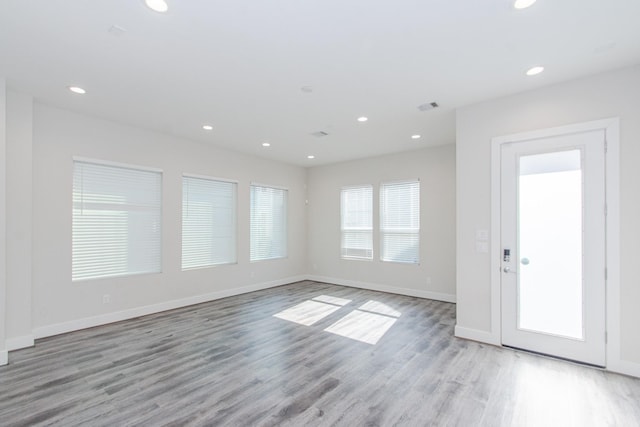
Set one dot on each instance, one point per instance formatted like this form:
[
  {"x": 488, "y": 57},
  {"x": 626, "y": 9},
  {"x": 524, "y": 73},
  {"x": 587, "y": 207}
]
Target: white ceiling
[{"x": 240, "y": 64}]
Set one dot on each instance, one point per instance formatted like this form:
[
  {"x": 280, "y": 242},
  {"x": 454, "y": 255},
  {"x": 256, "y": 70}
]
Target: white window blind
[
  {"x": 400, "y": 221},
  {"x": 117, "y": 217},
  {"x": 268, "y": 223},
  {"x": 356, "y": 222},
  {"x": 208, "y": 222}
]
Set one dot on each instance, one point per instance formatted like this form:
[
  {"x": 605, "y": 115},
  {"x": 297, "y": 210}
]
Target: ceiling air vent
[
  {"x": 116, "y": 30},
  {"x": 319, "y": 134},
  {"x": 428, "y": 106}
]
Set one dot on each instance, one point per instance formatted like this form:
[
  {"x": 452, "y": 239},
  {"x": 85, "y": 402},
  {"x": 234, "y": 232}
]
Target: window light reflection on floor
[
  {"x": 332, "y": 300},
  {"x": 311, "y": 311},
  {"x": 379, "y": 308},
  {"x": 368, "y": 323}
]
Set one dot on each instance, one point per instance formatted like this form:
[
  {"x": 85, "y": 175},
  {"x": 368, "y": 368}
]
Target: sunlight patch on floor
[
  {"x": 362, "y": 326},
  {"x": 332, "y": 300},
  {"x": 379, "y": 308},
  {"x": 313, "y": 310},
  {"x": 368, "y": 323},
  {"x": 307, "y": 313}
]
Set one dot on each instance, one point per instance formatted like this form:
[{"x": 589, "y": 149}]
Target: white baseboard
[
  {"x": 16, "y": 343},
  {"x": 476, "y": 335},
  {"x": 103, "y": 319},
  {"x": 619, "y": 366},
  {"x": 384, "y": 288},
  {"x": 4, "y": 357},
  {"x": 624, "y": 367}
]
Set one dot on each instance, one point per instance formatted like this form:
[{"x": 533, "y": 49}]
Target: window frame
[
  {"x": 284, "y": 218},
  {"x": 407, "y": 231},
  {"x": 344, "y": 230},
  {"x": 234, "y": 221},
  {"x": 110, "y": 207}
]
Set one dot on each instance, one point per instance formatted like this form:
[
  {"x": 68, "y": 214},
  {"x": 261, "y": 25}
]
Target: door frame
[{"x": 611, "y": 128}]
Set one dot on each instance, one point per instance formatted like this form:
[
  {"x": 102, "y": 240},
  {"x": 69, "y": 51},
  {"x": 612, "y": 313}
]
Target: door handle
[{"x": 507, "y": 269}]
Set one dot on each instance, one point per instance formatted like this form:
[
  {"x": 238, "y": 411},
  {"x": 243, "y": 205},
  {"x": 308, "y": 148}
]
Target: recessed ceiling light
[
  {"x": 157, "y": 5},
  {"x": 362, "y": 119},
  {"x": 306, "y": 89},
  {"x": 535, "y": 70},
  {"x": 523, "y": 4},
  {"x": 311, "y": 157},
  {"x": 416, "y": 136},
  {"x": 207, "y": 127},
  {"x": 77, "y": 89},
  {"x": 266, "y": 144}
]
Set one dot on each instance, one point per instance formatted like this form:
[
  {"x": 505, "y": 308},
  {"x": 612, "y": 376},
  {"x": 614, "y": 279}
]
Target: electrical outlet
[
  {"x": 106, "y": 299},
  {"x": 428, "y": 280}
]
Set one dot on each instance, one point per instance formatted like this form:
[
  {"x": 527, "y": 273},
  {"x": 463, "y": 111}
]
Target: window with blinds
[
  {"x": 208, "y": 222},
  {"x": 268, "y": 223},
  {"x": 117, "y": 219},
  {"x": 356, "y": 222},
  {"x": 400, "y": 222}
]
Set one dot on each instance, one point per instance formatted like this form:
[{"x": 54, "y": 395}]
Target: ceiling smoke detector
[
  {"x": 428, "y": 106},
  {"x": 320, "y": 134}
]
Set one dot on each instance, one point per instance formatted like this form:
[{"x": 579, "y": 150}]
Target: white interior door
[{"x": 553, "y": 217}]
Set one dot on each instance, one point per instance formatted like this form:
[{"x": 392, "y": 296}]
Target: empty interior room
[{"x": 319, "y": 213}]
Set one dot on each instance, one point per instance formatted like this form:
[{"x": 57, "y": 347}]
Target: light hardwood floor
[{"x": 265, "y": 359}]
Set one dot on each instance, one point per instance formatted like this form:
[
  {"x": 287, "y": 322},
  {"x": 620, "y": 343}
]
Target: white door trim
[{"x": 611, "y": 127}]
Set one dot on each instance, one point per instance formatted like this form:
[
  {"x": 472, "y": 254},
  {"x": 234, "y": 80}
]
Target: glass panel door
[
  {"x": 550, "y": 228},
  {"x": 552, "y": 251}
]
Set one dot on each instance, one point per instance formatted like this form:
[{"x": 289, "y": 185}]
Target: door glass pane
[{"x": 550, "y": 243}]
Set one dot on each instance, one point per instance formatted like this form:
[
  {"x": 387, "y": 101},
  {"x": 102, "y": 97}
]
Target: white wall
[
  {"x": 19, "y": 219},
  {"x": 614, "y": 94},
  {"x": 453, "y": 179},
  {"x": 434, "y": 277},
  {"x": 60, "y": 305},
  {"x": 41, "y": 143},
  {"x": 3, "y": 119}
]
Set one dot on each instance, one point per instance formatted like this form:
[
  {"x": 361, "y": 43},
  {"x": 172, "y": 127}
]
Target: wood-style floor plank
[{"x": 232, "y": 362}]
